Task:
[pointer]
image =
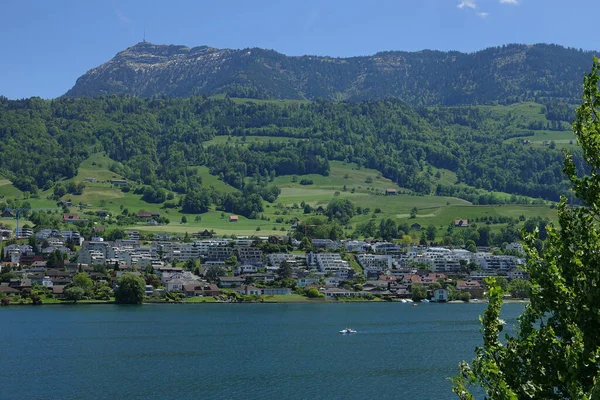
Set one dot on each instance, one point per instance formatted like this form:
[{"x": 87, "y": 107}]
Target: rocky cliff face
[{"x": 500, "y": 74}]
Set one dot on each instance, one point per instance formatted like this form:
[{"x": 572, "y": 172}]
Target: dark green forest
[{"x": 156, "y": 141}]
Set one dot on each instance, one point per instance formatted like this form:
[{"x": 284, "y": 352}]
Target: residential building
[
  {"x": 250, "y": 255},
  {"x": 470, "y": 286},
  {"x": 386, "y": 248},
  {"x": 374, "y": 264},
  {"x": 219, "y": 253},
  {"x": 275, "y": 259},
  {"x": 249, "y": 290},
  {"x": 440, "y": 295},
  {"x": 326, "y": 262}
]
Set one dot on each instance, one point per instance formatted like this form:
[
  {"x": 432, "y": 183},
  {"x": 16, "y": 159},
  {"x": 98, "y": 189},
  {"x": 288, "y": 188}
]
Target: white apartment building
[
  {"x": 489, "y": 261},
  {"x": 91, "y": 252},
  {"x": 275, "y": 259},
  {"x": 383, "y": 261},
  {"x": 326, "y": 262}
]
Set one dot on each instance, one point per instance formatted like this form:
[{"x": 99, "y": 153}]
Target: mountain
[{"x": 502, "y": 75}]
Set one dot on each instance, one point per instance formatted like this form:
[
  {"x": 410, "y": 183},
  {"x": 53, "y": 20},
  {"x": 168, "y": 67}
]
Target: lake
[{"x": 232, "y": 351}]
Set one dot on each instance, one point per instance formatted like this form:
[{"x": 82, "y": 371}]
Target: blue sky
[{"x": 46, "y": 45}]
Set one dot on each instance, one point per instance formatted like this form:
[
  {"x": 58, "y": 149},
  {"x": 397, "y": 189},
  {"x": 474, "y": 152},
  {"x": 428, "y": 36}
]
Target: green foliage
[
  {"x": 306, "y": 244},
  {"x": 463, "y": 296},
  {"x": 6, "y": 276},
  {"x": 431, "y": 232},
  {"x": 103, "y": 292},
  {"x": 555, "y": 353},
  {"x": 520, "y": 286},
  {"x": 214, "y": 272},
  {"x": 341, "y": 210},
  {"x": 418, "y": 292},
  {"x": 232, "y": 261},
  {"x": 196, "y": 202},
  {"x": 413, "y": 212},
  {"x": 74, "y": 293},
  {"x": 130, "y": 289},
  {"x": 285, "y": 270},
  {"x": 502, "y": 282},
  {"x": 313, "y": 293},
  {"x": 161, "y": 143},
  {"x": 83, "y": 281},
  {"x": 319, "y": 228}
]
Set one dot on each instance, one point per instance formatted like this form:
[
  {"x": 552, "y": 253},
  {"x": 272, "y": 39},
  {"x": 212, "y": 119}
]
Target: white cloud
[
  {"x": 473, "y": 6},
  {"x": 467, "y": 4},
  {"x": 124, "y": 19},
  {"x": 513, "y": 2}
]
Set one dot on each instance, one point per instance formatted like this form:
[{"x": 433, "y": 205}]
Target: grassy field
[
  {"x": 290, "y": 298},
  {"x": 96, "y": 166},
  {"x": 562, "y": 139},
  {"x": 206, "y": 299},
  {"x": 211, "y": 180},
  {"x": 8, "y": 190},
  {"x": 364, "y": 187},
  {"x": 523, "y": 113}
]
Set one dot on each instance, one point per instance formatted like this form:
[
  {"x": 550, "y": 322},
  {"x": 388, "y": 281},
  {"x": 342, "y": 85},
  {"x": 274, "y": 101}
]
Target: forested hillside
[
  {"x": 495, "y": 75},
  {"x": 157, "y": 142}
]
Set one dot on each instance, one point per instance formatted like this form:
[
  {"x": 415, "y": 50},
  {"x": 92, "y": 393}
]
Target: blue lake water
[{"x": 232, "y": 351}]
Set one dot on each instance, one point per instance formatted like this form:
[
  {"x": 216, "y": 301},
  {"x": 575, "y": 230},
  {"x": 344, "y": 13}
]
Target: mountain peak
[{"x": 497, "y": 74}]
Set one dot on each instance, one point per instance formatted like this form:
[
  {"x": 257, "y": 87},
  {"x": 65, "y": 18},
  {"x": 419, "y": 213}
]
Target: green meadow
[{"x": 364, "y": 187}]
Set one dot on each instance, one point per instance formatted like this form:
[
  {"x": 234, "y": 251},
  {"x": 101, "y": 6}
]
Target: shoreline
[{"x": 307, "y": 301}]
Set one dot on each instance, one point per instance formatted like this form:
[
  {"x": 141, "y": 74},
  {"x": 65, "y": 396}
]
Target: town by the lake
[{"x": 199, "y": 268}]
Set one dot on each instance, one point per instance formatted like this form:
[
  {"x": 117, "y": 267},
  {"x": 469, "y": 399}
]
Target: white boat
[
  {"x": 403, "y": 300},
  {"x": 347, "y": 331}
]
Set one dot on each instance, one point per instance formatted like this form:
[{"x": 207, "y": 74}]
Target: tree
[
  {"x": 418, "y": 292},
  {"x": 74, "y": 293},
  {"x": 189, "y": 264},
  {"x": 130, "y": 289},
  {"x": 341, "y": 210},
  {"x": 231, "y": 261},
  {"x": 196, "y": 202},
  {"x": 184, "y": 219},
  {"x": 103, "y": 292},
  {"x": 213, "y": 273},
  {"x": 306, "y": 244},
  {"x": 115, "y": 234},
  {"x": 470, "y": 246},
  {"x": 83, "y": 281},
  {"x": 555, "y": 352},
  {"x": 313, "y": 293},
  {"x": 431, "y": 231},
  {"x": 520, "y": 286},
  {"x": 413, "y": 212},
  {"x": 502, "y": 282},
  {"x": 285, "y": 270}
]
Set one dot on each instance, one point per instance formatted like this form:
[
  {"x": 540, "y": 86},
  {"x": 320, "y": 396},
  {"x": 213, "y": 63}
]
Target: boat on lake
[{"x": 347, "y": 331}]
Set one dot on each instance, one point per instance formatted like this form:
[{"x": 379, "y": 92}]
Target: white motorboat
[{"x": 347, "y": 331}]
